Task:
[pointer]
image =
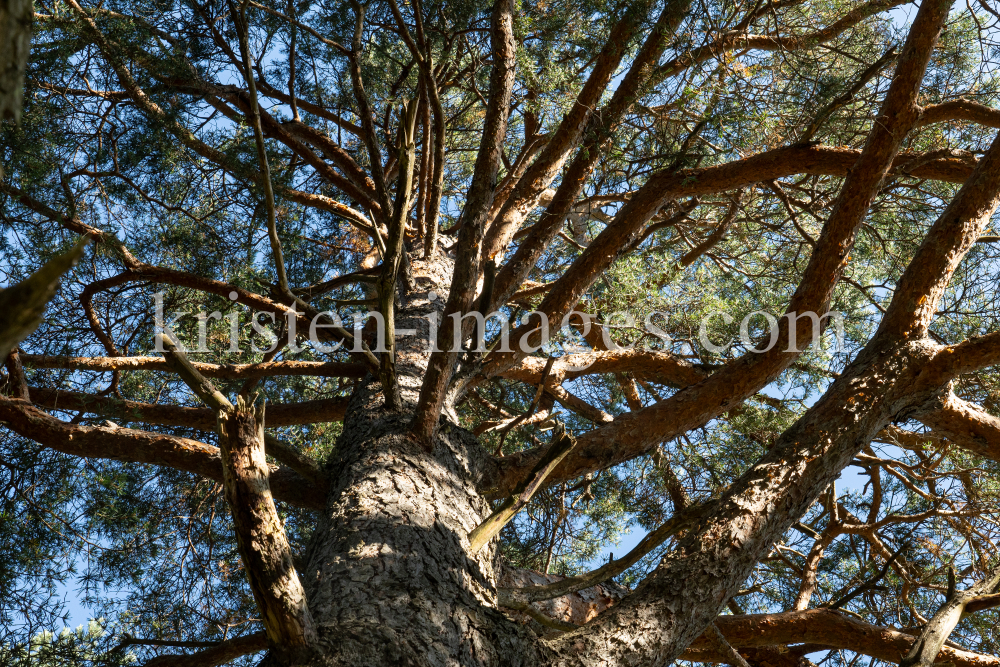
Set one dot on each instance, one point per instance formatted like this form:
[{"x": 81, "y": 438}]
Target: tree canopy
[{"x": 678, "y": 175}]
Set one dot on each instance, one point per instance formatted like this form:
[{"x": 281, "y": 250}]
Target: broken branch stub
[
  {"x": 562, "y": 444},
  {"x": 260, "y": 533},
  {"x": 24, "y": 303}
]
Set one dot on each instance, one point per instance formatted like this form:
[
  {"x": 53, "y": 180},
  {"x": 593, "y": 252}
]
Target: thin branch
[
  {"x": 302, "y": 26},
  {"x": 679, "y": 521},
  {"x": 469, "y": 257},
  {"x": 732, "y": 655},
  {"x": 841, "y": 100},
  {"x": 365, "y": 112},
  {"x": 240, "y": 20},
  {"x": 224, "y": 371},
  {"x": 318, "y": 411},
  {"x": 394, "y": 256},
  {"x": 217, "y": 401},
  {"x": 716, "y": 236},
  {"x": 129, "y": 445}
]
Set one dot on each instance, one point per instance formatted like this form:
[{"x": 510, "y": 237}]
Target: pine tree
[{"x": 361, "y": 334}]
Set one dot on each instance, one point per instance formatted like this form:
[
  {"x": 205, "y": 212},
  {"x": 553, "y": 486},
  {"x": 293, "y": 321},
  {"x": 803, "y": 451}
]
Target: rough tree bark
[
  {"x": 24, "y": 303},
  {"x": 391, "y": 579},
  {"x": 388, "y": 576}
]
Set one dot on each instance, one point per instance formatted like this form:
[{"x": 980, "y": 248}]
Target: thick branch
[
  {"x": 133, "y": 446},
  {"x": 962, "y": 110},
  {"x": 600, "y": 126},
  {"x": 934, "y": 635},
  {"x": 965, "y": 424},
  {"x": 480, "y": 536},
  {"x": 916, "y": 297},
  {"x": 732, "y": 657},
  {"x": 198, "y": 383},
  {"x": 219, "y": 654},
  {"x": 260, "y": 533},
  {"x": 636, "y": 432},
  {"x": 218, "y": 403},
  {"x": 469, "y": 260},
  {"x": 823, "y": 628},
  {"x": 319, "y": 411}
]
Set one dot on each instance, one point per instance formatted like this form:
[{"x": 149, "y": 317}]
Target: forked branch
[
  {"x": 514, "y": 597},
  {"x": 394, "y": 256},
  {"x": 218, "y": 402},
  {"x": 925, "y": 650}
]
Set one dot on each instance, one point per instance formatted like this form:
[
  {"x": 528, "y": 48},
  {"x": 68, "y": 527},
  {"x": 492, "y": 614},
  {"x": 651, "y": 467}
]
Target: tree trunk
[{"x": 388, "y": 576}]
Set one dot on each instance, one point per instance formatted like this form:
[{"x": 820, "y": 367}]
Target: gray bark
[
  {"x": 388, "y": 574},
  {"x": 391, "y": 580},
  {"x": 390, "y": 577}
]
